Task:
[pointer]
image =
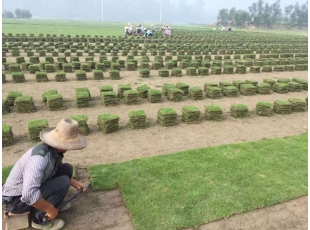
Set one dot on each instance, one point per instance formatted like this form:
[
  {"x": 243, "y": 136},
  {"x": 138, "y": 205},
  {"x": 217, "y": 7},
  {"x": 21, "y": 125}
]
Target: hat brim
[{"x": 47, "y": 136}]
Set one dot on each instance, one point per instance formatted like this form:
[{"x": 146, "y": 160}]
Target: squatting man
[{"x": 39, "y": 181}]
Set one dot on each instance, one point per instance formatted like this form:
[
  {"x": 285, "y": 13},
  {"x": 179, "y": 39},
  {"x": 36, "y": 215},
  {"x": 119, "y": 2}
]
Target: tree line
[
  {"x": 19, "y": 13},
  {"x": 264, "y": 15}
]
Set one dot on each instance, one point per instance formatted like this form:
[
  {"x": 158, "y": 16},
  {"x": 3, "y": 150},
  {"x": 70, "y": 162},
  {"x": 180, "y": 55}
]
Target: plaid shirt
[{"x": 36, "y": 166}]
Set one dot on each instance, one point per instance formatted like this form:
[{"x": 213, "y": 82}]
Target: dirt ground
[{"x": 127, "y": 144}]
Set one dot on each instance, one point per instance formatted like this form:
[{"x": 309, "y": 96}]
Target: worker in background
[
  {"x": 153, "y": 28},
  {"x": 147, "y": 33}
]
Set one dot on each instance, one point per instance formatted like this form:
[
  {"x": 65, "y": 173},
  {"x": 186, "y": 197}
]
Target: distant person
[
  {"x": 153, "y": 28},
  {"x": 223, "y": 28},
  {"x": 147, "y": 33},
  {"x": 138, "y": 30},
  {"x": 229, "y": 29}
]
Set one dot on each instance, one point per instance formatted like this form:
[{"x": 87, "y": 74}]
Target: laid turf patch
[{"x": 193, "y": 187}]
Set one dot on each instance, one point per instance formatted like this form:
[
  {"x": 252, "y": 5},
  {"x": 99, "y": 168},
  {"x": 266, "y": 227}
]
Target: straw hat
[
  {"x": 145, "y": 29},
  {"x": 64, "y": 136},
  {"x": 152, "y": 25}
]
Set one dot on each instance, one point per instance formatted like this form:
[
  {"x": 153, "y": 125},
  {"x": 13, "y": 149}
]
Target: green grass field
[
  {"x": 193, "y": 187},
  {"x": 73, "y": 27}
]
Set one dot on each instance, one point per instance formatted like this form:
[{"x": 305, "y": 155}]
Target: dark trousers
[{"x": 53, "y": 191}]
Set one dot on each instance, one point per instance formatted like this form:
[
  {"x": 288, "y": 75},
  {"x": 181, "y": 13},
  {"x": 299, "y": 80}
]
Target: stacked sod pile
[
  {"x": 137, "y": 119},
  {"x": 239, "y": 110},
  {"x": 174, "y": 94},
  {"x": 83, "y": 97},
  {"x": 183, "y": 86},
  {"x": 154, "y": 95},
  {"x": 144, "y": 73},
  {"x": 282, "y": 107},
  {"x": 228, "y": 69},
  {"x": 7, "y": 135},
  {"x": 267, "y": 68},
  {"x": 108, "y": 123},
  {"x": 35, "y": 127},
  {"x": 143, "y": 90},
  {"x": 247, "y": 89},
  {"x": 298, "y": 105},
  {"x": 237, "y": 83},
  {"x": 108, "y": 98},
  {"x": 195, "y": 93},
  {"x": 98, "y": 74},
  {"x": 253, "y": 82},
  {"x": 50, "y": 92},
  {"x": 255, "y": 69},
  {"x": 177, "y": 72},
  {"x": 294, "y": 86},
  {"x": 190, "y": 114},
  {"x": 18, "y": 77},
  {"x": 114, "y": 74},
  {"x": 82, "y": 120},
  {"x": 12, "y": 95},
  {"x": 50, "y": 68},
  {"x": 166, "y": 87},
  {"x": 214, "y": 92},
  {"x": 3, "y": 78},
  {"x": 41, "y": 76},
  {"x": 213, "y": 112},
  {"x": 203, "y": 71},
  {"x": 270, "y": 81},
  {"x": 191, "y": 71},
  {"x": 230, "y": 91},
  {"x": 263, "y": 108},
  {"x": 303, "y": 82},
  {"x": 80, "y": 75},
  {"x": 122, "y": 89},
  {"x": 60, "y": 76},
  {"x": 167, "y": 117},
  {"x": 55, "y": 102},
  {"x": 163, "y": 72},
  {"x": 280, "y": 87},
  {"x": 209, "y": 84},
  {"x": 241, "y": 69},
  {"x": 131, "y": 97},
  {"x": 216, "y": 70},
  {"x": 5, "y": 107},
  {"x": 263, "y": 88},
  {"x": 24, "y": 104},
  {"x": 85, "y": 67},
  {"x": 223, "y": 84}
]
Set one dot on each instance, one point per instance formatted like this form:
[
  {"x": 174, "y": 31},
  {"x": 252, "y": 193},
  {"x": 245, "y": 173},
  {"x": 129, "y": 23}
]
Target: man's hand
[
  {"x": 52, "y": 213},
  {"x": 78, "y": 185}
]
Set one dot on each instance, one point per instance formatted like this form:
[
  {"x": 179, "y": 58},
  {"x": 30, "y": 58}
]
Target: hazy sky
[{"x": 132, "y": 10}]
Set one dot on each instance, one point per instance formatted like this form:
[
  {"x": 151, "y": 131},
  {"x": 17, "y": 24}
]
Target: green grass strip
[{"x": 193, "y": 187}]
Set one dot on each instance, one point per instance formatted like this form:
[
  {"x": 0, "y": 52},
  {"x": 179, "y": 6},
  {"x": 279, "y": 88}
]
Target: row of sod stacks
[
  {"x": 190, "y": 114},
  {"x": 230, "y": 91},
  {"x": 214, "y": 92},
  {"x": 60, "y": 76},
  {"x": 282, "y": 107},
  {"x": 167, "y": 117},
  {"x": 280, "y": 87},
  {"x": 174, "y": 94},
  {"x": 239, "y": 110},
  {"x": 294, "y": 86},
  {"x": 183, "y": 86},
  {"x": 108, "y": 123},
  {"x": 24, "y": 104},
  {"x": 108, "y": 98},
  {"x": 50, "y": 92},
  {"x": 303, "y": 82},
  {"x": 122, "y": 89},
  {"x": 142, "y": 90},
  {"x": 82, "y": 120},
  {"x": 12, "y": 95},
  {"x": 5, "y": 107},
  {"x": 154, "y": 95},
  {"x": 263, "y": 88},
  {"x": 131, "y": 97},
  {"x": 144, "y": 73},
  {"x": 195, "y": 93},
  {"x": 55, "y": 102},
  {"x": 298, "y": 105},
  {"x": 7, "y": 135},
  {"x": 114, "y": 74},
  {"x": 35, "y": 127},
  {"x": 241, "y": 69},
  {"x": 213, "y": 112},
  {"x": 263, "y": 108},
  {"x": 83, "y": 97},
  {"x": 177, "y": 72},
  {"x": 137, "y": 119},
  {"x": 18, "y": 77},
  {"x": 247, "y": 89}
]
